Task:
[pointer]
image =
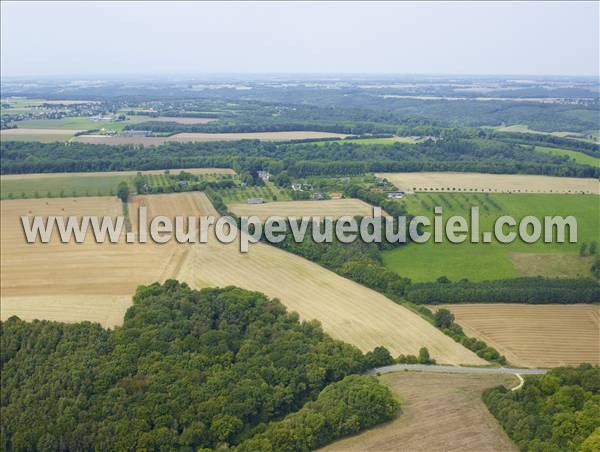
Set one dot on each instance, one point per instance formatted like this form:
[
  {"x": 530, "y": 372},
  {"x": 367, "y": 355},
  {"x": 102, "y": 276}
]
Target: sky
[{"x": 153, "y": 38}]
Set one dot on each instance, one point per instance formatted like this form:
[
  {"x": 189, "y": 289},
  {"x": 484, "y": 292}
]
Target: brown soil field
[
  {"x": 491, "y": 183},
  {"x": 535, "y": 335},
  {"x": 191, "y": 137},
  {"x": 330, "y": 207},
  {"x": 440, "y": 412},
  {"x": 116, "y": 173},
  {"x": 347, "y": 310}
]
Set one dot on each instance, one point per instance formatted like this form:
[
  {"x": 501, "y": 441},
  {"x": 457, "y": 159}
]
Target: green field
[
  {"x": 579, "y": 157},
  {"x": 591, "y": 137},
  {"x": 79, "y": 123},
  {"x": 92, "y": 184},
  {"x": 59, "y": 186},
  {"x": 481, "y": 261},
  {"x": 239, "y": 194}
]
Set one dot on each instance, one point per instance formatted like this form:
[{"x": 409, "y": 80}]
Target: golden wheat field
[
  {"x": 490, "y": 183},
  {"x": 71, "y": 282},
  {"x": 440, "y": 412},
  {"x": 334, "y": 208},
  {"x": 38, "y": 281},
  {"x": 535, "y": 335}
]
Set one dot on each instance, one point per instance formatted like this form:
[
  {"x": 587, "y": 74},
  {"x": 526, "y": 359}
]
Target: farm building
[
  {"x": 395, "y": 194},
  {"x": 318, "y": 196},
  {"x": 255, "y": 201},
  {"x": 335, "y": 195},
  {"x": 264, "y": 175}
]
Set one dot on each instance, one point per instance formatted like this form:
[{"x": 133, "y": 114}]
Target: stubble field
[
  {"x": 535, "y": 335},
  {"x": 283, "y": 209},
  {"x": 440, "y": 412},
  {"x": 70, "y": 273},
  {"x": 490, "y": 183}
]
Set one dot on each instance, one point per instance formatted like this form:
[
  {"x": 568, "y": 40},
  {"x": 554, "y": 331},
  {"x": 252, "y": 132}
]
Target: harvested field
[
  {"x": 38, "y": 280},
  {"x": 331, "y": 207},
  {"x": 347, "y": 310},
  {"x": 535, "y": 335},
  {"x": 43, "y": 135},
  {"x": 440, "y": 412},
  {"x": 191, "y": 137},
  {"x": 17, "y": 132},
  {"x": 490, "y": 183}
]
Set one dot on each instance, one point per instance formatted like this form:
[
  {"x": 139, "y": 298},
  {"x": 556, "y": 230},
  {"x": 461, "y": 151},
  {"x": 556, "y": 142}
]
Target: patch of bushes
[{"x": 559, "y": 411}]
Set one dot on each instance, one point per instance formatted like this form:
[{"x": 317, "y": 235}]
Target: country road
[{"x": 455, "y": 369}]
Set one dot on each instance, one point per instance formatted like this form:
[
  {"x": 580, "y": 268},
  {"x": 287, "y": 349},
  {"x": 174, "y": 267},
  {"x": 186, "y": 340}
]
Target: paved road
[{"x": 455, "y": 369}]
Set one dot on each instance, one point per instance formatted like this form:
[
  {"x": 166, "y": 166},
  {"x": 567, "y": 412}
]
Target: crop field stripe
[
  {"x": 535, "y": 335},
  {"x": 497, "y": 183}
]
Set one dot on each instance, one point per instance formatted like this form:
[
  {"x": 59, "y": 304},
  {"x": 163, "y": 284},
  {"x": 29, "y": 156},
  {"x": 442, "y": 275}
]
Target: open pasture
[
  {"x": 481, "y": 261},
  {"x": 46, "y": 274},
  {"x": 283, "y": 209},
  {"x": 17, "y": 186},
  {"x": 523, "y": 128},
  {"x": 201, "y": 137},
  {"x": 535, "y": 335},
  {"x": 240, "y": 195},
  {"x": 80, "y": 123},
  {"x": 440, "y": 412},
  {"x": 579, "y": 157},
  {"x": 490, "y": 183}
]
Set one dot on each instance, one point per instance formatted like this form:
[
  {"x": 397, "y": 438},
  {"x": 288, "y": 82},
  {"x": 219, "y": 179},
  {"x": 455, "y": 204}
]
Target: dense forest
[
  {"x": 530, "y": 290},
  {"x": 451, "y": 153},
  {"x": 556, "y": 412},
  {"x": 188, "y": 369}
]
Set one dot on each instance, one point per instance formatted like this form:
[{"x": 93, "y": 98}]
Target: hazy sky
[{"x": 68, "y": 38}]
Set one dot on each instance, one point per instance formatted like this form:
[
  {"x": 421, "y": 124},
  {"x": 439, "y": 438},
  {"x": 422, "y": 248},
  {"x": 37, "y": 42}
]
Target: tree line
[
  {"x": 529, "y": 290},
  {"x": 298, "y": 159}
]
